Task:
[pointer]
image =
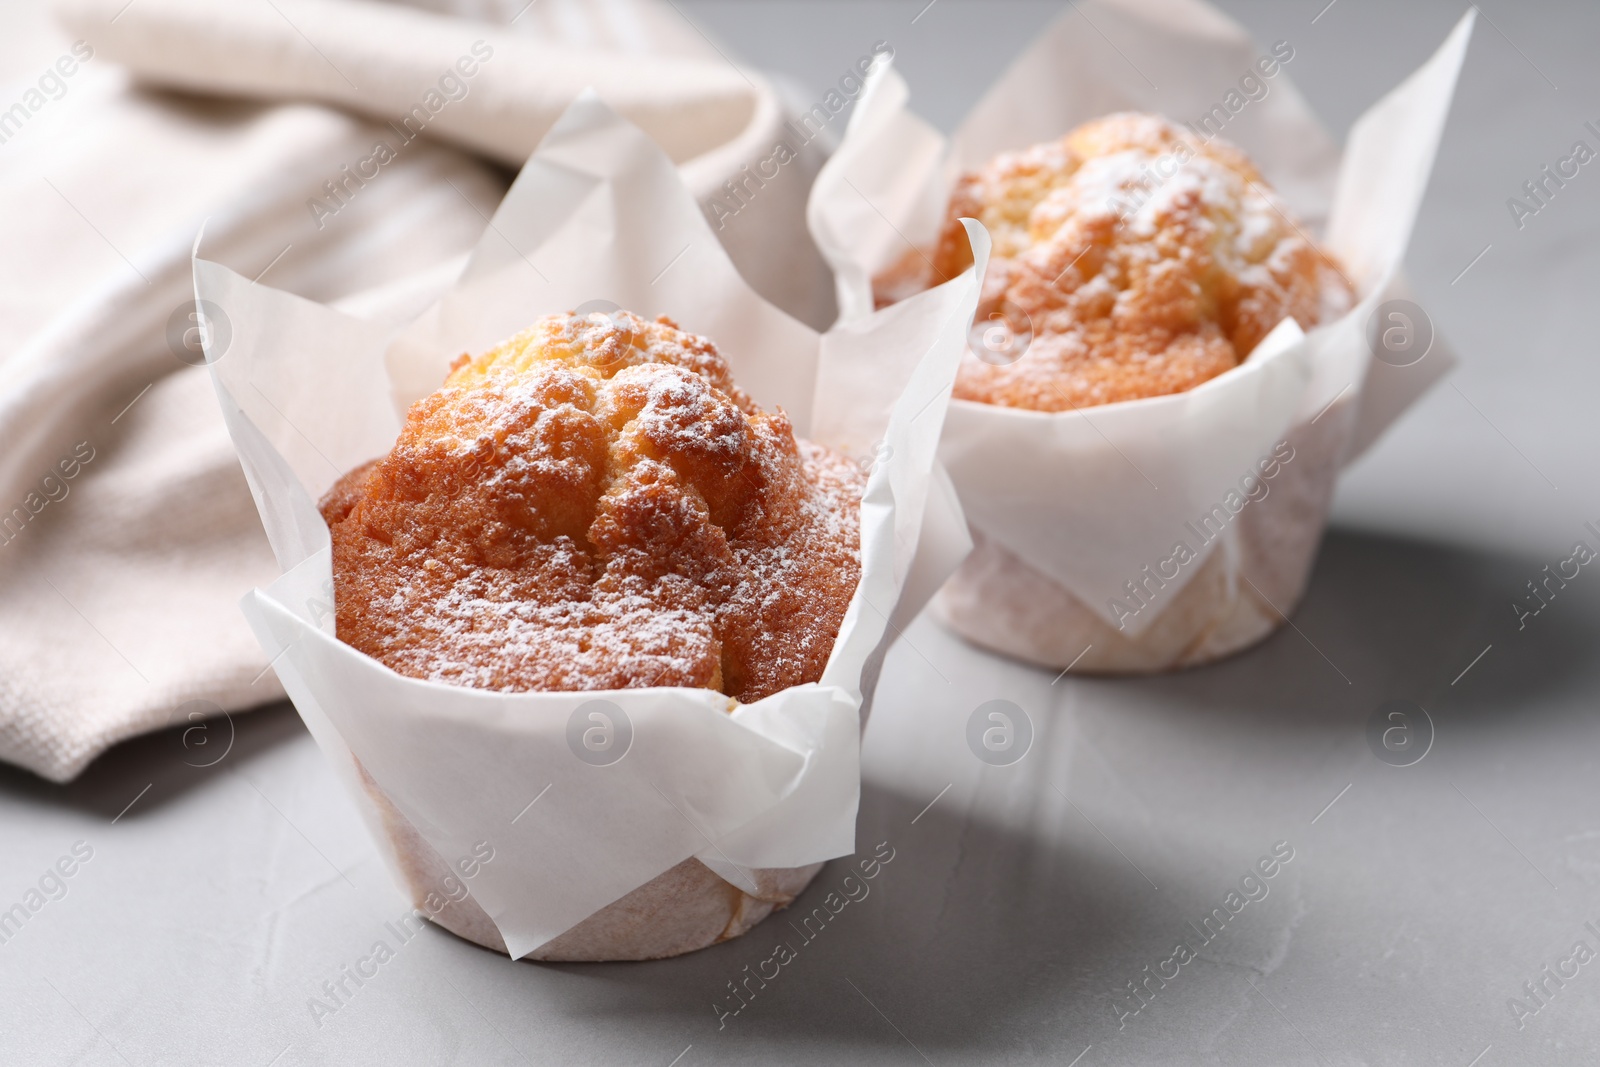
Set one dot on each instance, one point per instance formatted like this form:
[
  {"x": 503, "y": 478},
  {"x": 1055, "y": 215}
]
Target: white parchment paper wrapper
[
  {"x": 1084, "y": 500},
  {"x": 598, "y": 212}
]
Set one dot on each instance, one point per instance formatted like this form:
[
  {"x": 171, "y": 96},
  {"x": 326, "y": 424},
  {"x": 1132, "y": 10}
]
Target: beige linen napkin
[
  {"x": 385, "y": 61},
  {"x": 127, "y": 533}
]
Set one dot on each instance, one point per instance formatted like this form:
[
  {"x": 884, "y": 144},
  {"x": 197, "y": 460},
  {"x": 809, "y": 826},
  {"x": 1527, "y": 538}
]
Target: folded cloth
[
  {"x": 127, "y": 533},
  {"x": 407, "y": 68},
  {"x": 414, "y": 68}
]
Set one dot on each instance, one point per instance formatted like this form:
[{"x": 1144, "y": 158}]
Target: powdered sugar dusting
[
  {"x": 1142, "y": 260},
  {"x": 586, "y": 507}
]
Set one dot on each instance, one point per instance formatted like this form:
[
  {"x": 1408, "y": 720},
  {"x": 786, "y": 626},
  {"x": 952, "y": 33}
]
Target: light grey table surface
[{"x": 1020, "y": 902}]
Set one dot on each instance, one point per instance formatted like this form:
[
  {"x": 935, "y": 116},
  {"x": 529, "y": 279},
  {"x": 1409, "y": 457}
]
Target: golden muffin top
[
  {"x": 594, "y": 504},
  {"x": 1131, "y": 258}
]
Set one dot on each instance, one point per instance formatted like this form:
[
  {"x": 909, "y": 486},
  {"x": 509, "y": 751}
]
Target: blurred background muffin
[{"x": 1131, "y": 259}]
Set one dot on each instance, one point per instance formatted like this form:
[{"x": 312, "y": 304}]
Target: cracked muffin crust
[
  {"x": 595, "y": 504},
  {"x": 1141, "y": 259}
]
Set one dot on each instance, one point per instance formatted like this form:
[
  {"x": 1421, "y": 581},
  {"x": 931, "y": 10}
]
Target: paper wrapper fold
[
  {"x": 1077, "y": 516},
  {"x": 716, "y": 812}
]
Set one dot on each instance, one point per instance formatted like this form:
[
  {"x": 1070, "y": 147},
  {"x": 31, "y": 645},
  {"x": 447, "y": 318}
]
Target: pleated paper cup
[
  {"x": 691, "y": 816},
  {"x": 1146, "y": 535}
]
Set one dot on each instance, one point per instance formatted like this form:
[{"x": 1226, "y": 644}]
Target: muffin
[
  {"x": 1131, "y": 259},
  {"x": 595, "y": 504}
]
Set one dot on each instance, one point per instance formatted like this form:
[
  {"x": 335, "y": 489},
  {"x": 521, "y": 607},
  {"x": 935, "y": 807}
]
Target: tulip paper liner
[
  {"x": 1086, "y": 499},
  {"x": 598, "y": 213}
]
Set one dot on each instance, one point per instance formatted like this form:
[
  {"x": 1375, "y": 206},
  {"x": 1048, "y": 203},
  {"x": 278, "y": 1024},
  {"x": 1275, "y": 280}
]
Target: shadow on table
[
  {"x": 170, "y": 762},
  {"x": 967, "y": 927},
  {"x": 1386, "y": 618}
]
